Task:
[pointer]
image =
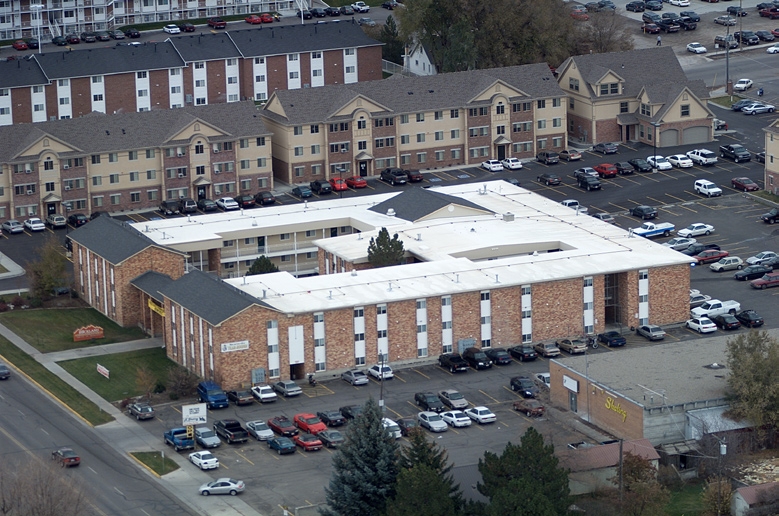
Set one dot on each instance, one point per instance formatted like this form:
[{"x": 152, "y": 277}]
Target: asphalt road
[{"x": 34, "y": 425}]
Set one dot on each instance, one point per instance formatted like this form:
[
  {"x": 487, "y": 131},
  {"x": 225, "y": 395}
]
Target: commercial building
[
  {"x": 187, "y": 70},
  {"x": 443, "y": 120},
  {"x": 132, "y": 161},
  {"x": 489, "y": 265},
  {"x": 640, "y": 95}
]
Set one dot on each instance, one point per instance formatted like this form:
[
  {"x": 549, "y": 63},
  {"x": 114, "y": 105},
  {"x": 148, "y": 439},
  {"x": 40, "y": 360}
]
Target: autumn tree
[
  {"x": 181, "y": 382},
  {"x": 753, "y": 359},
  {"x": 606, "y": 31},
  {"x": 262, "y": 265},
  {"x": 38, "y": 488},
  {"x": 384, "y": 251},
  {"x": 642, "y": 494},
  {"x": 145, "y": 380},
  {"x": 48, "y": 271},
  {"x": 716, "y": 496}
]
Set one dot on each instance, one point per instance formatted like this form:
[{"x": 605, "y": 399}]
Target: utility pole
[
  {"x": 621, "y": 462},
  {"x": 381, "y": 389}
]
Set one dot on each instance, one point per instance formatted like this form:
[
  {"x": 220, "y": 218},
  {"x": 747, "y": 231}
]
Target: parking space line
[
  {"x": 394, "y": 412},
  {"x": 420, "y": 373},
  {"x": 399, "y": 378},
  {"x": 621, "y": 208}
]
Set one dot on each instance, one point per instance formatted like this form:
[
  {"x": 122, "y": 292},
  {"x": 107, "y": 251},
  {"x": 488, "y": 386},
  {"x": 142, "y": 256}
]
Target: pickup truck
[
  {"x": 177, "y": 437},
  {"x": 735, "y": 151},
  {"x": 231, "y": 431},
  {"x": 453, "y": 362},
  {"x": 771, "y": 217},
  {"x": 650, "y": 229},
  {"x": 715, "y": 307},
  {"x": 668, "y": 26},
  {"x": 702, "y": 157}
]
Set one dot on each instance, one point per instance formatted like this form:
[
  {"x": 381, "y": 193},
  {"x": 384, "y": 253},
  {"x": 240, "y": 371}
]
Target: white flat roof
[{"x": 465, "y": 254}]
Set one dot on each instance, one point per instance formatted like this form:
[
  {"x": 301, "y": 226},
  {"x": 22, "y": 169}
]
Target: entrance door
[
  {"x": 201, "y": 192},
  {"x": 501, "y": 152},
  {"x": 573, "y": 401},
  {"x": 51, "y": 208},
  {"x": 363, "y": 165}
]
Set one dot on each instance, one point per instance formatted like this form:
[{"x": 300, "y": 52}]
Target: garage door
[
  {"x": 669, "y": 138},
  {"x": 693, "y": 135}
]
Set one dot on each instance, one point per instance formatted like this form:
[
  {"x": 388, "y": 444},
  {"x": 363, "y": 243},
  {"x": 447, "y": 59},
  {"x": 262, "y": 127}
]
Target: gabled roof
[
  {"x": 113, "y": 240},
  {"x": 109, "y": 60},
  {"x": 417, "y": 203},
  {"x": 605, "y": 455},
  {"x": 414, "y": 94},
  {"x": 666, "y": 94},
  {"x": 21, "y": 72},
  {"x": 98, "y": 132},
  {"x": 151, "y": 283},
  {"x": 287, "y": 39},
  {"x": 205, "y": 46},
  {"x": 760, "y": 493},
  {"x": 208, "y": 297}
]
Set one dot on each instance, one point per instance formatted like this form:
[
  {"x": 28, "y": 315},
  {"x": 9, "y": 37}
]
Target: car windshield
[
  {"x": 455, "y": 396},
  {"x": 312, "y": 420},
  {"x": 434, "y": 417},
  {"x": 259, "y": 425}
]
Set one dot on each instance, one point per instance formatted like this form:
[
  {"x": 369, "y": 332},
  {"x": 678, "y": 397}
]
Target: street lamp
[
  {"x": 340, "y": 171},
  {"x": 37, "y": 9},
  {"x": 654, "y": 146}
]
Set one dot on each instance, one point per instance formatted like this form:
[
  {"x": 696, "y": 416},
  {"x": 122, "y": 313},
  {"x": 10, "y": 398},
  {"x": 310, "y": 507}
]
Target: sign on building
[
  {"x": 195, "y": 414},
  {"x": 241, "y": 345}
]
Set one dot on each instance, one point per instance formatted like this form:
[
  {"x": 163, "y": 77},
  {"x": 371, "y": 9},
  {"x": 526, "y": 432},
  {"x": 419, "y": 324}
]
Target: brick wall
[
  {"x": 581, "y": 127},
  {"x": 506, "y": 308},
  {"x": 466, "y": 317},
  {"x": 521, "y": 136},
  {"x": 607, "y": 131},
  {"x": 217, "y": 81},
  {"x": 276, "y": 67},
  {"x": 557, "y": 308},
  {"x": 120, "y": 93},
  {"x": 334, "y": 66},
  {"x": 81, "y": 96},
  {"x": 369, "y": 64},
  {"x": 21, "y": 105},
  {"x": 159, "y": 89}
]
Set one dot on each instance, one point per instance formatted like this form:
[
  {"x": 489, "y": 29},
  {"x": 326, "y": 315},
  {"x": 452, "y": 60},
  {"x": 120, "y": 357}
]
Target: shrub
[
  {"x": 3, "y": 306},
  {"x": 18, "y": 301},
  {"x": 36, "y": 302},
  {"x": 159, "y": 388}
]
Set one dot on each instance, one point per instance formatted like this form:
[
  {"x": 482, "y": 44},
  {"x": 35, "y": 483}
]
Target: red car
[
  {"x": 186, "y": 27},
  {"x": 650, "y": 28},
  {"x": 711, "y": 255},
  {"x": 338, "y": 184},
  {"x": 73, "y": 39},
  {"x": 775, "y": 32},
  {"x": 744, "y": 183},
  {"x": 66, "y": 457},
  {"x": 579, "y": 15},
  {"x": 253, "y": 19},
  {"x": 769, "y": 280},
  {"x": 413, "y": 176},
  {"x": 20, "y": 45},
  {"x": 282, "y": 426},
  {"x": 217, "y": 23},
  {"x": 356, "y": 182},
  {"x": 308, "y": 442},
  {"x": 266, "y": 18},
  {"x": 309, "y": 423},
  {"x": 606, "y": 170}
]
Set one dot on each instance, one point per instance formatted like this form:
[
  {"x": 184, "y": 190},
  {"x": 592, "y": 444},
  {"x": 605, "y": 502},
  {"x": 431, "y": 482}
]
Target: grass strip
[{"x": 155, "y": 462}]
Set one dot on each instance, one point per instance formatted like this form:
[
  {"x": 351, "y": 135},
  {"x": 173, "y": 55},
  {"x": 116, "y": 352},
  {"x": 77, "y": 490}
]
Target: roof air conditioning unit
[
  {"x": 66, "y": 167},
  {"x": 29, "y": 192},
  {"x": 67, "y": 188}
]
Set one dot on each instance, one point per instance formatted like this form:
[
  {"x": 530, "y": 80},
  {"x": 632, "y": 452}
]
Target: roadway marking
[
  {"x": 244, "y": 457},
  {"x": 396, "y": 413},
  {"x": 93, "y": 471},
  {"x": 490, "y": 397},
  {"x": 420, "y": 373}
]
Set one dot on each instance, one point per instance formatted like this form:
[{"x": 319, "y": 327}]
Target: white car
[
  {"x": 680, "y": 3},
  {"x": 680, "y": 160},
  {"x": 702, "y": 157},
  {"x": 679, "y": 243},
  {"x": 264, "y": 393},
  {"x": 204, "y": 460},
  {"x": 696, "y": 48},
  {"x": 392, "y": 427},
  {"x": 379, "y": 371},
  {"x": 511, "y": 163},
  {"x": 227, "y": 203},
  {"x": 545, "y": 379},
  {"x": 34, "y": 224},
  {"x": 743, "y": 85},
  {"x": 492, "y": 165},
  {"x": 432, "y": 422},
  {"x": 707, "y": 188},
  {"x": 761, "y": 257},
  {"x": 456, "y": 418},
  {"x": 701, "y": 325},
  {"x": 726, "y": 264},
  {"x": 361, "y": 7},
  {"x": 696, "y": 229},
  {"x": 774, "y": 49},
  {"x": 574, "y": 205},
  {"x": 259, "y": 430},
  {"x": 481, "y": 415},
  {"x": 659, "y": 162},
  {"x": 171, "y": 29}
]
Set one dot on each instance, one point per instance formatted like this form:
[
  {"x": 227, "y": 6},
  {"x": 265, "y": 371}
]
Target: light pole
[
  {"x": 340, "y": 171},
  {"x": 655, "y": 125},
  {"x": 728, "y": 89},
  {"x": 37, "y": 9}
]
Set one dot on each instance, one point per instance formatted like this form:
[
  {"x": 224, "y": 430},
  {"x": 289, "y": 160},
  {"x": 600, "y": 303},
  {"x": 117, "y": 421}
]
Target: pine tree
[
  {"x": 262, "y": 265},
  {"x": 421, "y": 487},
  {"x": 424, "y": 452},
  {"x": 383, "y": 251},
  {"x": 365, "y": 468}
]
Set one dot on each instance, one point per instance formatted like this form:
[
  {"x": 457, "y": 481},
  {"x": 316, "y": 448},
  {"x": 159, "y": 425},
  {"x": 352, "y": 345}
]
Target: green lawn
[
  {"x": 52, "y": 330},
  {"x": 153, "y": 460},
  {"x": 122, "y": 368},
  {"x": 52, "y": 383},
  {"x": 727, "y": 100},
  {"x": 686, "y": 501}
]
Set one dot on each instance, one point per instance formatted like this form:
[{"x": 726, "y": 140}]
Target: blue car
[{"x": 282, "y": 445}]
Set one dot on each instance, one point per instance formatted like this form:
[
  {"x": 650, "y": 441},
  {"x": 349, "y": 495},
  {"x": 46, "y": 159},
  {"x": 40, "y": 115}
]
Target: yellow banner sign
[{"x": 155, "y": 307}]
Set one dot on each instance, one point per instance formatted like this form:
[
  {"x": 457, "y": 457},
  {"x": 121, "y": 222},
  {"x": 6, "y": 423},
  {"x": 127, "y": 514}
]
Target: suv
[
  {"x": 187, "y": 205},
  {"x": 771, "y": 217},
  {"x": 320, "y": 187},
  {"x": 429, "y": 401},
  {"x": 728, "y": 40},
  {"x": 394, "y": 176},
  {"x": 453, "y": 362},
  {"x": 477, "y": 358},
  {"x": 746, "y": 36},
  {"x": 707, "y": 188},
  {"x": 211, "y": 394},
  {"x": 650, "y": 17},
  {"x": 589, "y": 182},
  {"x": 56, "y": 221},
  {"x": 169, "y": 207},
  {"x": 548, "y": 158}
]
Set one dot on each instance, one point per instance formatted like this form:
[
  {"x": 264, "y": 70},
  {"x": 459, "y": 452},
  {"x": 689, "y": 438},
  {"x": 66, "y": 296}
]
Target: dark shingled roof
[
  {"x": 208, "y": 297},
  {"x": 109, "y": 60},
  {"x": 111, "y": 239},
  {"x": 416, "y": 203},
  {"x": 205, "y": 47},
  {"x": 151, "y": 283},
  {"x": 414, "y": 94},
  {"x": 285, "y": 39},
  {"x": 98, "y": 132},
  {"x": 21, "y": 72}
]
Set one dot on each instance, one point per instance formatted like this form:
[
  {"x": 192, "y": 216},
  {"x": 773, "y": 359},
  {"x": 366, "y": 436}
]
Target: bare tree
[
  {"x": 145, "y": 381},
  {"x": 39, "y": 488},
  {"x": 607, "y": 31},
  {"x": 181, "y": 382}
]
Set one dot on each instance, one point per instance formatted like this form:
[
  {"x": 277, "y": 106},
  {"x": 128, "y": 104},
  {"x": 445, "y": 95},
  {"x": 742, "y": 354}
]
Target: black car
[
  {"x": 645, "y": 212},
  {"x": 691, "y": 15},
  {"x": 612, "y": 339},
  {"x": 771, "y": 217},
  {"x": 331, "y": 418},
  {"x": 697, "y": 248},
  {"x": 245, "y": 201},
  {"x": 206, "y": 205},
  {"x": 347, "y": 10},
  {"x": 302, "y": 192},
  {"x": 524, "y": 386},
  {"x": 351, "y": 411},
  {"x": 764, "y": 35},
  {"x": 306, "y": 15},
  {"x": 752, "y": 272},
  {"x": 624, "y": 168},
  {"x": 318, "y": 12},
  {"x": 88, "y": 37},
  {"x": 499, "y": 356},
  {"x": 670, "y": 16},
  {"x": 60, "y": 41},
  {"x": 390, "y": 4},
  {"x": 477, "y": 359},
  {"x": 735, "y": 10},
  {"x": 407, "y": 425},
  {"x": 32, "y": 42},
  {"x": 132, "y": 32},
  {"x": 606, "y": 148},
  {"x": 394, "y": 176},
  {"x": 77, "y": 219},
  {"x": 654, "y": 5},
  {"x": 240, "y": 397},
  {"x": 746, "y": 36},
  {"x": 429, "y": 401},
  {"x": 331, "y": 438},
  {"x": 5, "y": 373},
  {"x": 727, "y": 322},
  {"x": 749, "y": 318},
  {"x": 170, "y": 207},
  {"x": 737, "y": 106},
  {"x": 640, "y": 165},
  {"x": 636, "y": 7},
  {"x": 333, "y": 11},
  {"x": 103, "y": 36},
  {"x": 589, "y": 182},
  {"x": 523, "y": 352},
  {"x": 686, "y": 23},
  {"x": 549, "y": 179},
  {"x": 265, "y": 198},
  {"x": 321, "y": 187},
  {"x": 453, "y": 362}
]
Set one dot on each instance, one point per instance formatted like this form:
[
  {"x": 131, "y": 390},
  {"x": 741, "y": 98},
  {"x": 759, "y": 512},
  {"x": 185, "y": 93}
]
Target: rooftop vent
[
  {"x": 508, "y": 217},
  {"x": 390, "y": 212}
]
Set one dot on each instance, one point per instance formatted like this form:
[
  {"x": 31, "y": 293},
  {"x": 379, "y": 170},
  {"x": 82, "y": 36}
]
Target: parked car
[
  {"x": 282, "y": 445},
  {"x": 548, "y": 157},
  {"x": 240, "y": 397},
  {"x": 477, "y": 358},
  {"x": 606, "y": 148},
  {"x": 761, "y": 257},
  {"x": 356, "y": 182},
  {"x": 396, "y": 176},
  {"x": 282, "y": 426},
  {"x": 259, "y": 430},
  {"x": 640, "y": 165},
  {"x": 624, "y": 168},
  {"x": 727, "y": 322},
  {"x": 481, "y": 415},
  {"x": 381, "y": 372},
  {"x": 605, "y": 217},
  {"x": 77, "y": 219},
  {"x": 287, "y": 388},
  {"x": 171, "y": 29},
  {"x": 572, "y": 346},
  {"x": 680, "y": 161},
  {"x": 726, "y": 264},
  {"x": 769, "y": 280},
  {"x": 140, "y": 410},
  {"x": 227, "y": 203},
  {"x": 454, "y": 362},
  {"x": 432, "y": 422},
  {"x": 185, "y": 27},
  {"x": 217, "y": 23},
  {"x": 19, "y": 44},
  {"x": 659, "y": 162},
  {"x": 651, "y": 332},
  {"x": 680, "y": 243},
  {"x": 407, "y": 425},
  {"x": 206, "y": 205},
  {"x": 547, "y": 349},
  {"x": 749, "y": 318},
  {"x": 696, "y": 48},
  {"x": 743, "y": 85},
  {"x": 612, "y": 339},
  {"x": 265, "y": 198},
  {"x": 351, "y": 411},
  {"x": 523, "y": 352},
  {"x": 429, "y": 401},
  {"x": 702, "y": 157},
  {"x": 331, "y": 438},
  {"x": 696, "y": 229},
  {"x": 34, "y": 224},
  {"x": 321, "y": 187},
  {"x": 302, "y": 192},
  {"x": 204, "y": 460},
  {"x": 712, "y": 255},
  {"x": 605, "y": 170},
  {"x": 132, "y": 33},
  {"x": 456, "y": 418},
  {"x": 570, "y": 155},
  {"x": 744, "y": 184},
  {"x": 355, "y": 377},
  {"x": 452, "y": 399},
  {"x": 223, "y": 486},
  {"x": 331, "y": 418},
  {"x": 701, "y": 325},
  {"x": 264, "y": 393},
  {"x": 492, "y": 165},
  {"x": 245, "y": 201},
  {"x": 499, "y": 356},
  {"x": 549, "y": 179},
  {"x": 308, "y": 442},
  {"x": 524, "y": 386},
  {"x": 531, "y": 407},
  {"x": 644, "y": 212}
]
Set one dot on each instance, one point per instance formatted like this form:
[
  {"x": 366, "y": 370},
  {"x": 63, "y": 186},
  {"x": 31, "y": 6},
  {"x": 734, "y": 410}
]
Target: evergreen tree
[
  {"x": 525, "y": 479},
  {"x": 365, "y": 468},
  {"x": 383, "y": 251},
  {"x": 262, "y": 265},
  {"x": 421, "y": 487},
  {"x": 424, "y": 452},
  {"x": 393, "y": 45}
]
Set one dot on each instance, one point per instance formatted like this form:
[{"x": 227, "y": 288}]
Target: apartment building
[
  {"x": 427, "y": 122},
  {"x": 640, "y": 95},
  {"x": 185, "y": 71},
  {"x": 771, "y": 163},
  {"x": 494, "y": 266},
  {"x": 132, "y": 161}
]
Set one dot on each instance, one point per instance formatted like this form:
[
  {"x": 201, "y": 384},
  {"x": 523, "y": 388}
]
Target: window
[
  {"x": 573, "y": 84},
  {"x": 98, "y": 97},
  {"x": 501, "y": 129},
  {"x": 149, "y": 153},
  {"x": 143, "y": 93},
  {"x": 421, "y": 328},
  {"x": 259, "y": 78},
  {"x": 232, "y": 80},
  {"x": 132, "y": 155},
  {"x": 421, "y": 303},
  {"x": 299, "y": 150},
  {"x": 557, "y": 122},
  {"x": 135, "y": 176},
  {"x": 361, "y": 123},
  {"x": 404, "y": 139},
  {"x": 294, "y": 75},
  {"x": 420, "y": 137},
  {"x": 297, "y": 130},
  {"x": 349, "y": 51},
  {"x": 141, "y": 75},
  {"x": 482, "y": 111},
  {"x": 362, "y": 145},
  {"x": 314, "y": 129},
  {"x": 571, "y": 103},
  {"x": 455, "y": 154},
  {"x": 454, "y": 134},
  {"x": 421, "y": 157},
  {"x": 151, "y": 195},
  {"x": 420, "y": 117},
  {"x": 113, "y": 157},
  {"x": 261, "y": 141},
  {"x": 542, "y": 124},
  {"x": 349, "y": 69},
  {"x": 292, "y": 57},
  {"x": 116, "y": 199},
  {"x": 95, "y": 159},
  {"x": 609, "y": 88},
  {"x": 541, "y": 103},
  {"x": 685, "y": 110},
  {"x": 381, "y": 309},
  {"x": 438, "y": 115},
  {"x": 642, "y": 275},
  {"x": 646, "y": 109},
  {"x": 151, "y": 174}
]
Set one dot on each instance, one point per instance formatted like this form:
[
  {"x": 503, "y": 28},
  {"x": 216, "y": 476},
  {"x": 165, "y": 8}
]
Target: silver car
[
  {"x": 287, "y": 388},
  {"x": 680, "y": 243},
  {"x": 453, "y": 399},
  {"x": 355, "y": 377},
  {"x": 259, "y": 430},
  {"x": 651, "y": 332},
  {"x": 757, "y": 107},
  {"x": 13, "y": 226},
  {"x": 206, "y": 437},
  {"x": 432, "y": 422},
  {"x": 222, "y": 486}
]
